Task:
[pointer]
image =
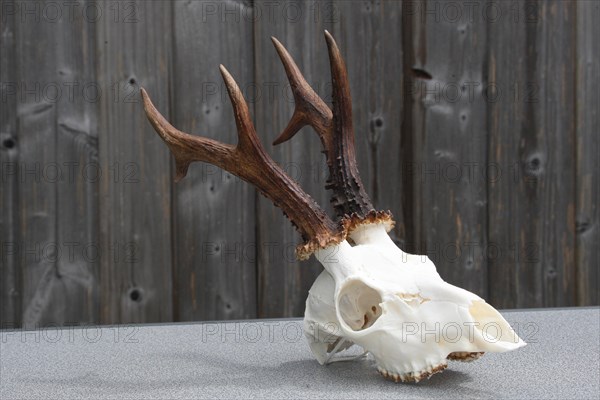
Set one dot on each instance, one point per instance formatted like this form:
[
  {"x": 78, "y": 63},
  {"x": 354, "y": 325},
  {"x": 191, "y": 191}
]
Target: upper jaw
[{"x": 413, "y": 376}]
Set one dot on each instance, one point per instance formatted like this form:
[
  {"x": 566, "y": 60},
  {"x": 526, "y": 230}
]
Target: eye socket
[{"x": 359, "y": 305}]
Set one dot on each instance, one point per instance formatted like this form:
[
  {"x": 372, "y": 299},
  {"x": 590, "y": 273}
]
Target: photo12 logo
[
  {"x": 73, "y": 92},
  {"x": 78, "y": 333},
  {"x": 71, "y": 172},
  {"x": 53, "y": 12},
  {"x": 252, "y": 332},
  {"x": 269, "y": 11},
  {"x": 451, "y": 332},
  {"x": 471, "y": 11},
  {"x": 70, "y": 251}
]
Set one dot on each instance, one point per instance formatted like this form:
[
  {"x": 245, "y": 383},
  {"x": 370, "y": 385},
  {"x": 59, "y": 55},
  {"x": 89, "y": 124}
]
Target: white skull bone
[{"x": 397, "y": 307}]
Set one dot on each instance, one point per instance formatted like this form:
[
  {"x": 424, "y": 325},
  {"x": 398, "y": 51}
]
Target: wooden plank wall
[
  {"x": 476, "y": 124},
  {"x": 214, "y": 269},
  {"x": 51, "y": 142},
  {"x": 135, "y": 203},
  {"x": 587, "y": 148}
]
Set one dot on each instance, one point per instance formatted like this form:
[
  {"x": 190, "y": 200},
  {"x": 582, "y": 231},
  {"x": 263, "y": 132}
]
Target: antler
[
  {"x": 249, "y": 161},
  {"x": 336, "y": 132}
]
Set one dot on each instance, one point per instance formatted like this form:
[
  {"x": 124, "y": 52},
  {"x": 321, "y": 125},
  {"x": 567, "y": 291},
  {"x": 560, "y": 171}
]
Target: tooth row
[
  {"x": 464, "y": 356},
  {"x": 413, "y": 376}
]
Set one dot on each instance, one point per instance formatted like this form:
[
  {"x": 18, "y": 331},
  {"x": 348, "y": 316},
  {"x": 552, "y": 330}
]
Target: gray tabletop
[{"x": 271, "y": 359}]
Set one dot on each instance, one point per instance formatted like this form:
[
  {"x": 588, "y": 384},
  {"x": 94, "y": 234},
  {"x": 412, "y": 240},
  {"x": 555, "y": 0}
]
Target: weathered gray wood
[
  {"x": 214, "y": 241},
  {"x": 506, "y": 118},
  {"x": 519, "y": 226},
  {"x": 10, "y": 271},
  {"x": 532, "y": 137},
  {"x": 55, "y": 138},
  {"x": 587, "y": 137},
  {"x": 283, "y": 282},
  {"x": 449, "y": 145},
  {"x": 413, "y": 120},
  {"x": 77, "y": 144},
  {"x": 135, "y": 204}
]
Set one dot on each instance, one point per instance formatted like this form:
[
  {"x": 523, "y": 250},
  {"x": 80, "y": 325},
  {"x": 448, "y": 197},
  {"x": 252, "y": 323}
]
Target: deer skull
[
  {"x": 397, "y": 307},
  {"x": 393, "y": 304}
]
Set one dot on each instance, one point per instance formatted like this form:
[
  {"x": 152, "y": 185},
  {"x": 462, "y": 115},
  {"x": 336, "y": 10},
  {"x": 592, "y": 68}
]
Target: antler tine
[
  {"x": 335, "y": 129},
  {"x": 310, "y": 108},
  {"x": 249, "y": 161},
  {"x": 184, "y": 147}
]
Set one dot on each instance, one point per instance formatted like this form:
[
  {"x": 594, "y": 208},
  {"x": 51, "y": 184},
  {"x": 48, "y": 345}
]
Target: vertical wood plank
[
  {"x": 450, "y": 178},
  {"x": 588, "y": 181},
  {"x": 56, "y": 140},
  {"x": 369, "y": 34},
  {"x": 10, "y": 271},
  {"x": 134, "y": 49},
  {"x": 413, "y": 124},
  {"x": 283, "y": 282},
  {"x": 507, "y": 123},
  {"x": 77, "y": 143},
  {"x": 214, "y": 238},
  {"x": 532, "y": 209}
]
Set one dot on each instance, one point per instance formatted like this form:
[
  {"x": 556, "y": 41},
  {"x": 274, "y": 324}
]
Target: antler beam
[{"x": 249, "y": 161}]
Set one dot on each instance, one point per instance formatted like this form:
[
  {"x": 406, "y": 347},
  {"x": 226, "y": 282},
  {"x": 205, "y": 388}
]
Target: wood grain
[
  {"x": 54, "y": 138},
  {"x": 479, "y": 133},
  {"x": 10, "y": 265},
  {"x": 449, "y": 145},
  {"x": 135, "y": 201},
  {"x": 532, "y": 137},
  {"x": 214, "y": 218},
  {"x": 587, "y": 141}
]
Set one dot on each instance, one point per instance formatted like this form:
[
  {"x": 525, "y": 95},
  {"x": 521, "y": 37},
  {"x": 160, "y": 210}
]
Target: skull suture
[
  {"x": 397, "y": 307},
  {"x": 393, "y": 304}
]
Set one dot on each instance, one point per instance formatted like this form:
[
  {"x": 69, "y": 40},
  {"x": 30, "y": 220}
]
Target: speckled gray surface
[{"x": 270, "y": 359}]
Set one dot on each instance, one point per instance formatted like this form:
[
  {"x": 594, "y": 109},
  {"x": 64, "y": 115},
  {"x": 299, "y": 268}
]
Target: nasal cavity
[{"x": 359, "y": 305}]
